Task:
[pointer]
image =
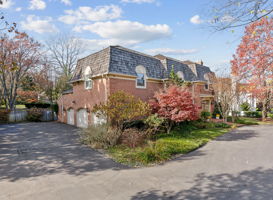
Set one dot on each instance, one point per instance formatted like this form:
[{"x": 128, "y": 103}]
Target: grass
[
  {"x": 164, "y": 147},
  {"x": 252, "y": 121},
  {"x": 247, "y": 121},
  {"x": 17, "y": 106}
]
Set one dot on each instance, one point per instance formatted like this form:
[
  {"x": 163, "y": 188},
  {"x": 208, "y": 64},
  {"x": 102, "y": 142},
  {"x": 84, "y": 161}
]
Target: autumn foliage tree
[
  {"x": 253, "y": 63},
  {"x": 122, "y": 107},
  {"x": 18, "y": 55},
  {"x": 175, "y": 104}
]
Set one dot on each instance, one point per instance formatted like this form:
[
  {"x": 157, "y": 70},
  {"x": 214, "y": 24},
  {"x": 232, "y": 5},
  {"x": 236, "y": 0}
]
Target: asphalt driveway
[{"x": 46, "y": 161}]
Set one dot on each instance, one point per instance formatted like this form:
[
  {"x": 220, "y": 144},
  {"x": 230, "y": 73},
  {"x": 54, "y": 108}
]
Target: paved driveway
[{"x": 46, "y": 161}]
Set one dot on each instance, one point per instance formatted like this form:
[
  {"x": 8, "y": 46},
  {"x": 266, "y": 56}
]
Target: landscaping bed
[{"x": 164, "y": 146}]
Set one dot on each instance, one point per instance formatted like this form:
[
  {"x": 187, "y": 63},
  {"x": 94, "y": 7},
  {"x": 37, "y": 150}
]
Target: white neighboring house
[{"x": 243, "y": 96}]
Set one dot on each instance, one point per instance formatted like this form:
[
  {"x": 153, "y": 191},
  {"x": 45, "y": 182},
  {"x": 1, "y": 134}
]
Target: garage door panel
[
  {"x": 70, "y": 117},
  {"x": 82, "y": 118}
]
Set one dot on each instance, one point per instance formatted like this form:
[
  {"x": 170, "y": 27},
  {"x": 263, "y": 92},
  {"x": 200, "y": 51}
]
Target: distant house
[{"x": 117, "y": 68}]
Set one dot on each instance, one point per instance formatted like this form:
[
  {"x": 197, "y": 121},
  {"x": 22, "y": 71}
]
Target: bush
[
  {"x": 221, "y": 125},
  {"x": 204, "y": 125},
  {"x": 37, "y": 105},
  {"x": 55, "y": 108},
  {"x": 254, "y": 114},
  {"x": 205, "y": 115},
  {"x": 175, "y": 105},
  {"x": 4, "y": 115},
  {"x": 34, "y": 114},
  {"x": 245, "y": 106},
  {"x": 132, "y": 137},
  {"x": 209, "y": 125},
  {"x": 217, "y": 110},
  {"x": 122, "y": 107},
  {"x": 154, "y": 123},
  {"x": 137, "y": 124},
  {"x": 100, "y": 136},
  {"x": 270, "y": 115}
]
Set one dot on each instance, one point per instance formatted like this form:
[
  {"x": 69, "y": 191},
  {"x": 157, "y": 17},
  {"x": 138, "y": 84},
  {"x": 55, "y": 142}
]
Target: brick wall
[
  {"x": 129, "y": 86},
  {"x": 82, "y": 98},
  {"x": 103, "y": 87}
]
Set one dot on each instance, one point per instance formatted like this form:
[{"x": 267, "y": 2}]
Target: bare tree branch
[{"x": 229, "y": 14}]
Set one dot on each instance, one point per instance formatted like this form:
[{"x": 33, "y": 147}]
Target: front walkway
[{"x": 45, "y": 161}]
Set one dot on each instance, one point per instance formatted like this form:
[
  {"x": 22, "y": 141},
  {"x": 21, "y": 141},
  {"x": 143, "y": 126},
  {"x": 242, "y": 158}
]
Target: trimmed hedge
[
  {"x": 37, "y": 105},
  {"x": 254, "y": 114}
]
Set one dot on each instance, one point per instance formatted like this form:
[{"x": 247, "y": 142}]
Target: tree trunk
[
  {"x": 264, "y": 111},
  {"x": 170, "y": 126}
]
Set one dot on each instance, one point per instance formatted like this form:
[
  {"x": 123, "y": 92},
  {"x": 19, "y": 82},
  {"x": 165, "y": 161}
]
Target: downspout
[
  {"x": 62, "y": 109},
  {"x": 193, "y": 91}
]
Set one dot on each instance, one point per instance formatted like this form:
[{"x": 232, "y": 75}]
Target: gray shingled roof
[{"x": 120, "y": 60}]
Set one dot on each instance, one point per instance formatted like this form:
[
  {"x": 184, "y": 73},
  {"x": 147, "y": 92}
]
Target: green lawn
[
  {"x": 247, "y": 121},
  {"x": 17, "y": 106},
  {"x": 164, "y": 147}
]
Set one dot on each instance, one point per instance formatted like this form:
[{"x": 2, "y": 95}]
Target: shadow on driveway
[
  {"x": 29, "y": 150},
  {"x": 238, "y": 134},
  {"x": 252, "y": 184}
]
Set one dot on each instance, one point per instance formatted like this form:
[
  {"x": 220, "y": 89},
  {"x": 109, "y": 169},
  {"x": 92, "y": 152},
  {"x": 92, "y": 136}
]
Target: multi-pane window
[
  {"x": 141, "y": 77},
  {"x": 141, "y": 80},
  {"x": 88, "y": 83}
]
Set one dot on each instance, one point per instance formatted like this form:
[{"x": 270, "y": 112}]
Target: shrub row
[
  {"x": 37, "y": 105},
  {"x": 254, "y": 114},
  {"x": 42, "y": 105}
]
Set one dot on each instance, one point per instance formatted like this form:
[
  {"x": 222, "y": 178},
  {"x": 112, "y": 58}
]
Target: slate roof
[{"x": 120, "y": 60}]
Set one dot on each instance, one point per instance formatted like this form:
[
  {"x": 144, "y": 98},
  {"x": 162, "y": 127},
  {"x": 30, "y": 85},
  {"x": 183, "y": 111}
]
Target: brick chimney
[{"x": 200, "y": 62}]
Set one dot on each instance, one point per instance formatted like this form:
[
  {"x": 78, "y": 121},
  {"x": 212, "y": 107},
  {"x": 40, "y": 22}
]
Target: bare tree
[
  {"x": 64, "y": 52},
  {"x": 227, "y": 95},
  {"x": 18, "y": 55},
  {"x": 228, "y": 14}
]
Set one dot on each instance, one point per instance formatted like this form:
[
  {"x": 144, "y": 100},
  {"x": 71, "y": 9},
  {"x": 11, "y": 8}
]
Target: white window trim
[
  {"x": 90, "y": 87},
  {"x": 145, "y": 83}
]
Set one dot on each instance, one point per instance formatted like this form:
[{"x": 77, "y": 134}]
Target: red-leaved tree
[
  {"x": 175, "y": 104},
  {"x": 253, "y": 62},
  {"x": 18, "y": 55}
]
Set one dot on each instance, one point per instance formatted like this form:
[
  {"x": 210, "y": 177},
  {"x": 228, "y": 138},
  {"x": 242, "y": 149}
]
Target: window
[
  {"x": 141, "y": 77},
  {"x": 88, "y": 83},
  {"x": 206, "y": 86},
  {"x": 180, "y": 75},
  {"x": 140, "y": 80},
  {"x": 207, "y": 79}
]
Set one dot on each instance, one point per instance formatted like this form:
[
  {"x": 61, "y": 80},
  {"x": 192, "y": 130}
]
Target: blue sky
[{"x": 175, "y": 28}]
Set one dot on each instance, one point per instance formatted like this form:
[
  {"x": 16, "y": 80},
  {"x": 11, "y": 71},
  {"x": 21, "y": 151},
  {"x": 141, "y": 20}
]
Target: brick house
[{"x": 117, "y": 68}]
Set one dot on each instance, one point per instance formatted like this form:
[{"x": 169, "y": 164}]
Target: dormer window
[
  {"x": 140, "y": 80},
  {"x": 141, "y": 77},
  {"x": 180, "y": 75},
  {"x": 88, "y": 83},
  {"x": 207, "y": 79}
]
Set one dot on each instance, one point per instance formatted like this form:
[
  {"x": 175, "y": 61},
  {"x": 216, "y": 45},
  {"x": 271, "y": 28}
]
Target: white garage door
[
  {"x": 70, "y": 117},
  {"x": 82, "y": 118}
]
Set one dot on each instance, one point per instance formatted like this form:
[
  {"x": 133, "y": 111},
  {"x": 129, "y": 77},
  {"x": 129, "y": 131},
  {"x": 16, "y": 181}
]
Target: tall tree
[
  {"x": 64, "y": 52},
  {"x": 253, "y": 60},
  {"x": 18, "y": 55},
  {"x": 227, "y": 14},
  {"x": 226, "y": 95}
]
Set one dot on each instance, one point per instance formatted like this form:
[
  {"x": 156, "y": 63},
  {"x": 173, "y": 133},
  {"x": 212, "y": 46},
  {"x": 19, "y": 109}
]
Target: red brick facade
[{"x": 82, "y": 98}]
